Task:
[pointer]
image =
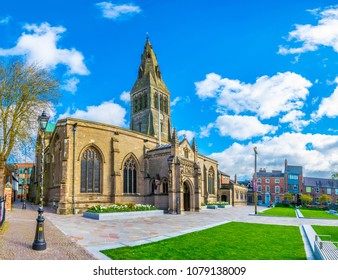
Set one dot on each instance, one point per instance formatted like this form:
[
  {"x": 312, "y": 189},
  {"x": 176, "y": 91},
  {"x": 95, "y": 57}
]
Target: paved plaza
[{"x": 76, "y": 237}]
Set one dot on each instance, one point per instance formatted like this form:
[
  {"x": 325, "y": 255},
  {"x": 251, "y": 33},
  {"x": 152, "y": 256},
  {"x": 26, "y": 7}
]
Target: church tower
[{"x": 150, "y": 99}]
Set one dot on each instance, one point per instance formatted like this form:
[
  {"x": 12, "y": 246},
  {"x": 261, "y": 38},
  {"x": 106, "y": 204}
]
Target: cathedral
[{"x": 89, "y": 163}]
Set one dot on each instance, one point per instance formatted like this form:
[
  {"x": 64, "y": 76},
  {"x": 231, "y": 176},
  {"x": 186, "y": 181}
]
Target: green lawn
[
  {"x": 327, "y": 230},
  {"x": 279, "y": 211},
  {"x": 308, "y": 213},
  {"x": 231, "y": 241}
]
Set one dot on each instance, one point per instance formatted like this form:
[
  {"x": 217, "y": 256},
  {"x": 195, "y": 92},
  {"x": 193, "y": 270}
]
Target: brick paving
[{"x": 18, "y": 233}]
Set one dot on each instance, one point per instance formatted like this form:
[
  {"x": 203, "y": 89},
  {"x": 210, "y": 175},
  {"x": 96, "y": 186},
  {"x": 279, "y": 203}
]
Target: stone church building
[{"x": 89, "y": 163}]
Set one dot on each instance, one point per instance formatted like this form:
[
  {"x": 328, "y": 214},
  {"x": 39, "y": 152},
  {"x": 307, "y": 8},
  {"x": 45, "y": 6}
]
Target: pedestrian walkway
[
  {"x": 18, "y": 235},
  {"x": 67, "y": 235}
]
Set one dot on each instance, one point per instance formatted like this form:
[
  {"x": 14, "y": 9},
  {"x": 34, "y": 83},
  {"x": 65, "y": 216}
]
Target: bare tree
[{"x": 25, "y": 90}]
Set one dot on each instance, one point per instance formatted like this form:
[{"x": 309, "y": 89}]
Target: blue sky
[{"x": 241, "y": 73}]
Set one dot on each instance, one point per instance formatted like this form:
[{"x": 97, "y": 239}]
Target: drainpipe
[{"x": 73, "y": 179}]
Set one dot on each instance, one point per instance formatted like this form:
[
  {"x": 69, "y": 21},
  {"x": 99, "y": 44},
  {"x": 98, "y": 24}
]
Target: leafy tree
[
  {"x": 306, "y": 199},
  {"x": 325, "y": 198},
  {"x": 25, "y": 91},
  {"x": 334, "y": 176},
  {"x": 289, "y": 196}
]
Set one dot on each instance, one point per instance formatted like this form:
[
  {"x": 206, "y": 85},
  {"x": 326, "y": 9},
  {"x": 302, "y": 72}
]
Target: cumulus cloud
[
  {"x": 294, "y": 118},
  {"x": 205, "y": 130},
  {"x": 113, "y": 11},
  {"x": 267, "y": 97},
  {"x": 325, "y": 33},
  {"x": 108, "y": 112},
  {"x": 125, "y": 96},
  {"x": 328, "y": 106},
  {"x": 321, "y": 160},
  {"x": 187, "y": 133},
  {"x": 70, "y": 85},
  {"x": 242, "y": 127},
  {"x": 39, "y": 44}
]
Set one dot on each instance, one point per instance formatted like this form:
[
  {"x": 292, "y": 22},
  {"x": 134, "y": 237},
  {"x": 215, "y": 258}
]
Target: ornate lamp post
[
  {"x": 255, "y": 181},
  {"x": 39, "y": 243}
]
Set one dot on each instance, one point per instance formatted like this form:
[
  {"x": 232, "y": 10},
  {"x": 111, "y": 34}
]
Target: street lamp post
[
  {"x": 39, "y": 243},
  {"x": 24, "y": 190},
  {"x": 255, "y": 181}
]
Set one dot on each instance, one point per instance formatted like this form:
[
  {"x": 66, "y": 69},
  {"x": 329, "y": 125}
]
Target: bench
[{"x": 326, "y": 250}]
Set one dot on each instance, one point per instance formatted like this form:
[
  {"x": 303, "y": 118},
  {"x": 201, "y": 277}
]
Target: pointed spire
[
  {"x": 174, "y": 139},
  {"x": 194, "y": 145}
]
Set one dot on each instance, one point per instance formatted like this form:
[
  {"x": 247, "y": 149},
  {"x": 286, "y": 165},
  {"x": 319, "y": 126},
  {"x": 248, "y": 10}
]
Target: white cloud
[
  {"x": 267, "y": 97},
  {"x": 113, "y": 11},
  {"x": 321, "y": 160},
  {"x": 242, "y": 127},
  {"x": 187, "y": 133},
  {"x": 108, "y": 112},
  {"x": 70, "y": 85},
  {"x": 175, "y": 101},
  {"x": 5, "y": 20},
  {"x": 205, "y": 130},
  {"x": 39, "y": 44},
  {"x": 294, "y": 118},
  {"x": 328, "y": 106},
  {"x": 325, "y": 33},
  {"x": 125, "y": 96}
]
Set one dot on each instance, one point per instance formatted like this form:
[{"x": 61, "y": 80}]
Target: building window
[
  {"x": 237, "y": 195},
  {"x": 337, "y": 201},
  {"x": 259, "y": 180},
  {"x": 259, "y": 188},
  {"x": 293, "y": 177},
  {"x": 308, "y": 189},
  {"x": 91, "y": 171},
  {"x": 317, "y": 189},
  {"x": 336, "y": 191},
  {"x": 129, "y": 176},
  {"x": 165, "y": 185},
  {"x": 267, "y": 180},
  {"x": 317, "y": 200},
  {"x": 211, "y": 181},
  {"x": 328, "y": 191},
  {"x": 186, "y": 153},
  {"x": 267, "y": 188},
  {"x": 277, "y": 189},
  {"x": 277, "y": 199},
  {"x": 277, "y": 181}
]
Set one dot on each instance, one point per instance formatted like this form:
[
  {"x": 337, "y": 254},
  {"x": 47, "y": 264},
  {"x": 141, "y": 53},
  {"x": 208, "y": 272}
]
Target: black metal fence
[{"x": 2, "y": 210}]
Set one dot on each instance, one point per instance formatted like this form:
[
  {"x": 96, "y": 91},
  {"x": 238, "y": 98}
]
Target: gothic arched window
[
  {"x": 129, "y": 176},
  {"x": 211, "y": 181},
  {"x": 91, "y": 165},
  {"x": 165, "y": 185}
]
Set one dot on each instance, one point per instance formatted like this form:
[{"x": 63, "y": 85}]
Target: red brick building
[{"x": 270, "y": 186}]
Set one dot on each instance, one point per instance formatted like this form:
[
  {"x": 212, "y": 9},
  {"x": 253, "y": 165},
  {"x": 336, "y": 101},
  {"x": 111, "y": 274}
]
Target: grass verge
[
  {"x": 308, "y": 213},
  {"x": 327, "y": 230},
  {"x": 279, "y": 211},
  {"x": 231, "y": 241}
]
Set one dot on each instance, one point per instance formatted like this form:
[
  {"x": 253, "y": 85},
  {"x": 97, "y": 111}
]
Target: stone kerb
[{"x": 122, "y": 215}]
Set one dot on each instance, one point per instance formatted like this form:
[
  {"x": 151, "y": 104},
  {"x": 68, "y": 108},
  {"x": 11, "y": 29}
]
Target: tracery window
[
  {"x": 91, "y": 165},
  {"x": 211, "y": 181},
  {"x": 129, "y": 176}
]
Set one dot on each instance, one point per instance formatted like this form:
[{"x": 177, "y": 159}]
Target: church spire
[{"x": 150, "y": 98}]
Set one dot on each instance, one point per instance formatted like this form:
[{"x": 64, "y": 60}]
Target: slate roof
[
  {"x": 320, "y": 182},
  {"x": 277, "y": 174}
]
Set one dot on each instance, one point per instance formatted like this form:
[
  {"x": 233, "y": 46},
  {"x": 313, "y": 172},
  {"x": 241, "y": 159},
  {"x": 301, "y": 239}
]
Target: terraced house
[
  {"x": 316, "y": 187},
  {"x": 89, "y": 163}
]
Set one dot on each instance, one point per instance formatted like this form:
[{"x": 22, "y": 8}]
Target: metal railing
[
  {"x": 325, "y": 250},
  {"x": 2, "y": 210}
]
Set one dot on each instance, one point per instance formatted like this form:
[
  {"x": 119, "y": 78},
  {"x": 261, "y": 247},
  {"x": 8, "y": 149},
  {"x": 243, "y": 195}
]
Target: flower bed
[
  {"x": 121, "y": 211},
  {"x": 128, "y": 207}
]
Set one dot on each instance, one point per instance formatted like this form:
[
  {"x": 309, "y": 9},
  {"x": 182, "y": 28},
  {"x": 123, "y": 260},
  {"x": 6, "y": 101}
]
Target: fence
[{"x": 2, "y": 210}]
